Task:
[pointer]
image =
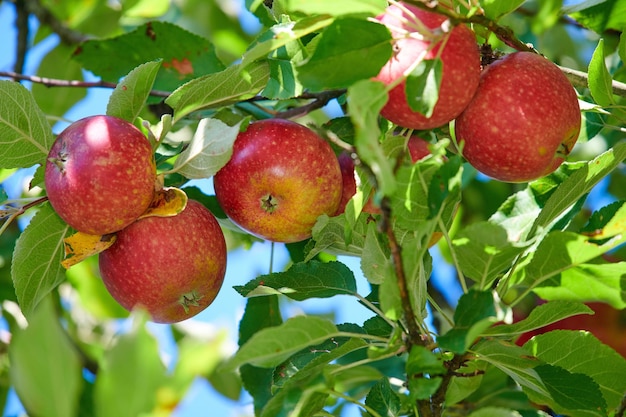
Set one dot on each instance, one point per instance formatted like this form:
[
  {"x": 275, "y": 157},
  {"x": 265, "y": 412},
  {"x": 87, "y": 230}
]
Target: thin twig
[
  {"x": 55, "y": 82},
  {"x": 319, "y": 100},
  {"x": 581, "y": 79}
]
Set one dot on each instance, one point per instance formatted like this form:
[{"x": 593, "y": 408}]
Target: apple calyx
[
  {"x": 60, "y": 159},
  {"x": 269, "y": 203},
  {"x": 190, "y": 299}
]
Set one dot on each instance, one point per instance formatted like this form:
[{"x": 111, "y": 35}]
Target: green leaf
[
  {"x": 603, "y": 282},
  {"x": 260, "y": 313},
  {"x": 516, "y": 362},
  {"x": 382, "y": 399},
  {"x": 582, "y": 353},
  {"x": 130, "y": 375},
  {"x": 376, "y": 262},
  {"x": 345, "y": 42},
  {"x": 576, "y": 394},
  {"x": 311, "y": 358},
  {"x": 45, "y": 368},
  {"x": 600, "y": 82},
  {"x": 599, "y": 16},
  {"x": 304, "y": 280},
  {"x": 606, "y": 222},
  {"x": 302, "y": 376},
  {"x": 475, "y": 312},
  {"x": 578, "y": 184},
  {"x": 283, "y": 34},
  {"x": 130, "y": 95},
  {"x": 422, "y": 86},
  {"x": 209, "y": 150},
  {"x": 334, "y": 8},
  {"x": 25, "y": 134},
  {"x": 484, "y": 251},
  {"x": 423, "y": 361},
  {"x": 36, "y": 269},
  {"x": 495, "y": 412},
  {"x": 541, "y": 316},
  {"x": 220, "y": 89},
  {"x": 113, "y": 58},
  {"x": 329, "y": 235},
  {"x": 366, "y": 99},
  {"x": 271, "y": 346},
  {"x": 495, "y": 9},
  {"x": 558, "y": 252}
]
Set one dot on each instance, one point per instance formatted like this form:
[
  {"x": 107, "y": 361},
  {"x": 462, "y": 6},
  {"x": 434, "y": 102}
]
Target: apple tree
[{"x": 478, "y": 136}]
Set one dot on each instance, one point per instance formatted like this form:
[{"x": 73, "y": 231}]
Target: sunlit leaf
[
  {"x": 209, "y": 150},
  {"x": 270, "y": 346},
  {"x": 541, "y": 316},
  {"x": 599, "y": 78},
  {"x": 25, "y": 134},
  {"x": 129, "y": 97},
  {"x": 558, "y": 252},
  {"x": 220, "y": 89},
  {"x": 366, "y": 98},
  {"x": 332, "y": 7},
  {"x": 495, "y": 9},
  {"x": 578, "y": 184},
  {"x": 588, "y": 282}
]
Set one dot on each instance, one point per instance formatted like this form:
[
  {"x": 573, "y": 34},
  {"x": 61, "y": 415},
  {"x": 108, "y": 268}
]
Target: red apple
[
  {"x": 280, "y": 179},
  {"x": 100, "y": 174},
  {"x": 346, "y": 164},
  {"x": 171, "y": 266},
  {"x": 522, "y": 122},
  {"x": 461, "y": 66}
]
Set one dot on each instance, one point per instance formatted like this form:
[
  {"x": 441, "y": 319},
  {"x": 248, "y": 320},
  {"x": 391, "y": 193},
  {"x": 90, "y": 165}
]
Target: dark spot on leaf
[{"x": 150, "y": 32}]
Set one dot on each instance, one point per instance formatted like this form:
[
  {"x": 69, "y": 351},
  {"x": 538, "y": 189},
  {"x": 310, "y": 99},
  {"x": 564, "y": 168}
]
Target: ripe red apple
[
  {"x": 280, "y": 179},
  {"x": 346, "y": 164},
  {"x": 461, "y": 66},
  {"x": 100, "y": 174},
  {"x": 171, "y": 266},
  {"x": 522, "y": 122}
]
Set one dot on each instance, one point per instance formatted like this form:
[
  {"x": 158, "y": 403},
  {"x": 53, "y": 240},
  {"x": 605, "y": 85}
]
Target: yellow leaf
[
  {"x": 167, "y": 202},
  {"x": 80, "y": 246}
]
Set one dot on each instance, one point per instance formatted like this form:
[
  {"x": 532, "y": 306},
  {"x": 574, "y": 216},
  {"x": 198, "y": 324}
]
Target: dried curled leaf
[
  {"x": 80, "y": 246},
  {"x": 167, "y": 202}
]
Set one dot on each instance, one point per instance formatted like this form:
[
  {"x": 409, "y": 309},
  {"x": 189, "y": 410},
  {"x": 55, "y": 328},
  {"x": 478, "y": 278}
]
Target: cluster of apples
[
  {"x": 100, "y": 178},
  {"x": 515, "y": 120}
]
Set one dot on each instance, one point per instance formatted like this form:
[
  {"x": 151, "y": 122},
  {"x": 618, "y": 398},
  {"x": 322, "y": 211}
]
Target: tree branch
[
  {"x": 54, "y": 82},
  {"x": 581, "y": 79},
  {"x": 21, "y": 24}
]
